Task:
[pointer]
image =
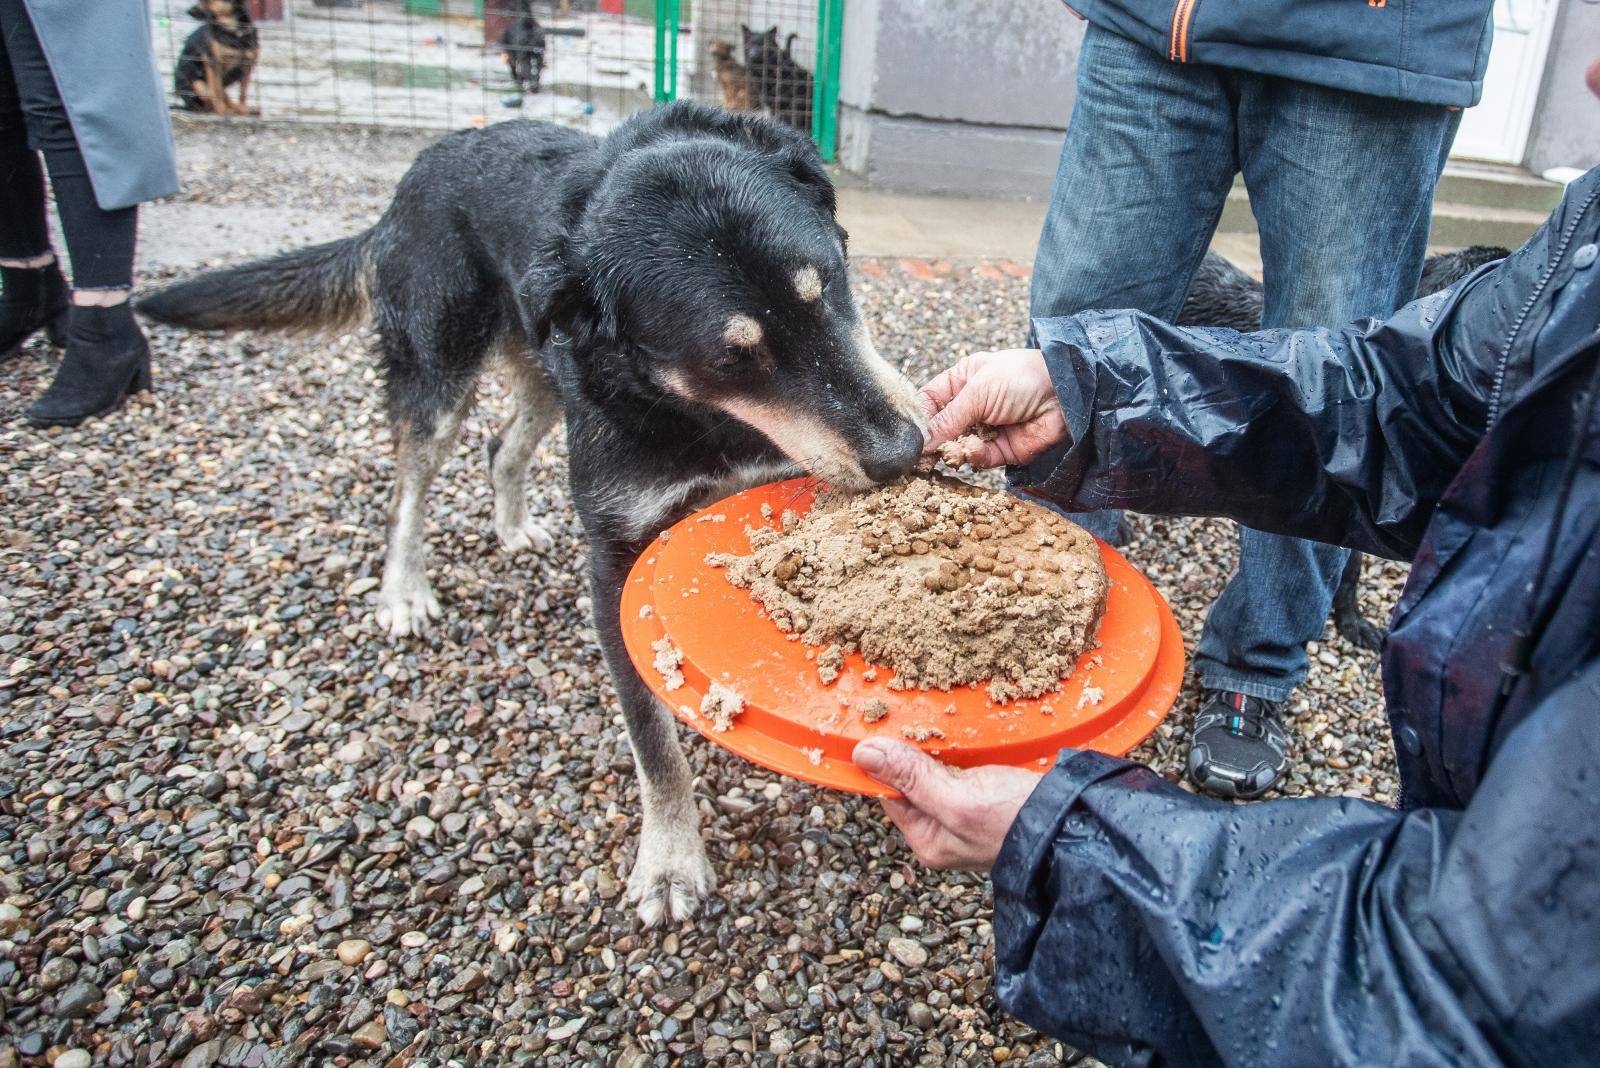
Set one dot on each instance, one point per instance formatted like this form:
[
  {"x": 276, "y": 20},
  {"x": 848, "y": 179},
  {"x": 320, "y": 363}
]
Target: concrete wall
[
  {"x": 957, "y": 96},
  {"x": 972, "y": 96},
  {"x": 1566, "y": 125}
]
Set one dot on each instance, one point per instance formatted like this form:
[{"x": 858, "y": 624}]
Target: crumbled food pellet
[
  {"x": 941, "y": 583},
  {"x": 829, "y": 663},
  {"x": 790, "y": 518},
  {"x": 766, "y": 510},
  {"x": 645, "y": 611},
  {"x": 813, "y": 755},
  {"x": 1092, "y": 695},
  {"x": 721, "y": 705},
  {"x": 922, "y": 734},
  {"x": 967, "y": 449},
  {"x": 714, "y": 517},
  {"x": 666, "y": 536},
  {"x": 668, "y": 661},
  {"x": 874, "y": 709}
]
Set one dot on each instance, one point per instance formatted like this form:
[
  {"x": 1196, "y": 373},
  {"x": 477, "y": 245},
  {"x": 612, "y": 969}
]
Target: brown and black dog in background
[{"x": 221, "y": 52}]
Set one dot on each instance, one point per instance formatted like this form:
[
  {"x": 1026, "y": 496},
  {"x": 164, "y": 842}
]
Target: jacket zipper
[
  {"x": 1182, "y": 18},
  {"x": 1533, "y": 298}
]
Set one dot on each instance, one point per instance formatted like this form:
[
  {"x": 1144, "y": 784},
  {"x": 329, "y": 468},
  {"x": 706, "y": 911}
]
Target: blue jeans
[{"x": 1342, "y": 189}]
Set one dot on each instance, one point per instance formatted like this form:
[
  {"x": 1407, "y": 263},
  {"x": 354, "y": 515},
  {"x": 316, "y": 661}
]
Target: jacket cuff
[
  {"x": 1028, "y": 845},
  {"x": 1057, "y": 474}
]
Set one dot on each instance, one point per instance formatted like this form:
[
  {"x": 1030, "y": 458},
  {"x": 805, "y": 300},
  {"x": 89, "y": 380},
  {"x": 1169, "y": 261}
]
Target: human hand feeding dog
[
  {"x": 951, "y": 817},
  {"x": 1009, "y": 391}
]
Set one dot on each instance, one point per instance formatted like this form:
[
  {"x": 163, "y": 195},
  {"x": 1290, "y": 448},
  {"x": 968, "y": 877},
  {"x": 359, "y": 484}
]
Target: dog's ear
[{"x": 803, "y": 165}]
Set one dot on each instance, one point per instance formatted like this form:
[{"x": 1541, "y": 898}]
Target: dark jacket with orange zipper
[{"x": 1427, "y": 51}]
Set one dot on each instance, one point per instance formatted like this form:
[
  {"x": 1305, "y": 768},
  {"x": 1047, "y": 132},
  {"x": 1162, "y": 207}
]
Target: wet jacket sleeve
[
  {"x": 1148, "y": 925},
  {"x": 1345, "y": 436}
]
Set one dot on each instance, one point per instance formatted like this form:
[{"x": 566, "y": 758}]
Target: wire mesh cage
[
  {"x": 421, "y": 63},
  {"x": 776, "y": 57},
  {"x": 443, "y": 64}
]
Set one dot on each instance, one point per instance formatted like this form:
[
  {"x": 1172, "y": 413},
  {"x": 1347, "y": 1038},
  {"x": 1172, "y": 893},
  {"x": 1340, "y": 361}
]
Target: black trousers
[{"x": 33, "y": 121}]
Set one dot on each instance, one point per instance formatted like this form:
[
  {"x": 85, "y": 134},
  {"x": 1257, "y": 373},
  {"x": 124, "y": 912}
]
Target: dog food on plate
[{"x": 942, "y": 582}]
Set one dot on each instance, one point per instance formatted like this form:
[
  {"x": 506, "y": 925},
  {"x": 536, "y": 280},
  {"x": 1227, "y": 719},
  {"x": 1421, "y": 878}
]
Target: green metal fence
[{"x": 684, "y": 67}]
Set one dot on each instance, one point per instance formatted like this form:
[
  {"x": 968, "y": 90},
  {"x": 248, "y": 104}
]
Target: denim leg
[
  {"x": 1342, "y": 188},
  {"x": 1145, "y": 170}
]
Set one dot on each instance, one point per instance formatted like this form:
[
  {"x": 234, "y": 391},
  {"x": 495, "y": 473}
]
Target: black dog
[
  {"x": 1223, "y": 295},
  {"x": 677, "y": 289},
  {"x": 783, "y": 86},
  {"x": 223, "y": 51},
  {"x": 524, "y": 42}
]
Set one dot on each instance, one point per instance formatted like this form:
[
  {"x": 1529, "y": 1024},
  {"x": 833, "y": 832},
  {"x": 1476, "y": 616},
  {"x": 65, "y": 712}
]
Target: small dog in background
[
  {"x": 223, "y": 51},
  {"x": 524, "y": 42},
  {"x": 738, "y": 91},
  {"x": 783, "y": 86}
]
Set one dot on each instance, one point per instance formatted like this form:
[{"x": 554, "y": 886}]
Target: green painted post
[
  {"x": 825, "y": 89},
  {"x": 666, "y": 50}
]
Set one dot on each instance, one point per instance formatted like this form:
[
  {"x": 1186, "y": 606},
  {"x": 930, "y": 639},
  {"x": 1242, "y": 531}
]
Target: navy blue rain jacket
[
  {"x": 1152, "y": 926},
  {"x": 1427, "y": 51}
]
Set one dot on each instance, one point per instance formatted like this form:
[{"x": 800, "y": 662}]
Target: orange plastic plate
[{"x": 795, "y": 725}]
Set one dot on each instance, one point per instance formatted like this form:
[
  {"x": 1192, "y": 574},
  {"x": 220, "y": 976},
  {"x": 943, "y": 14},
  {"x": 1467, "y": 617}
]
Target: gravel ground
[{"x": 239, "y": 827}]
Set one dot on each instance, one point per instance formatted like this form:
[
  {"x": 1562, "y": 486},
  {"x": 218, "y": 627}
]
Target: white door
[{"x": 1497, "y": 129}]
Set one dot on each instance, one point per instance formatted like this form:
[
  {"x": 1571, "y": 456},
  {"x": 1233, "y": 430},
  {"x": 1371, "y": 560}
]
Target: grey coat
[{"x": 105, "y": 68}]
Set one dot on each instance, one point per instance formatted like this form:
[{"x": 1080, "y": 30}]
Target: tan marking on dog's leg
[
  {"x": 808, "y": 284},
  {"x": 537, "y": 409},
  {"x": 406, "y": 601},
  {"x": 742, "y": 331},
  {"x": 671, "y": 873}
]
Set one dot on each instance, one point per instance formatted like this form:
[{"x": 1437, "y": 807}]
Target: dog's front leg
[
  {"x": 671, "y": 873},
  {"x": 244, "y": 88}
]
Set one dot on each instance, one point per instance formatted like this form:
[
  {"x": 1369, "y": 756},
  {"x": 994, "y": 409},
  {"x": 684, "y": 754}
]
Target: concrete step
[
  {"x": 1455, "y": 223},
  {"x": 1494, "y": 186}
]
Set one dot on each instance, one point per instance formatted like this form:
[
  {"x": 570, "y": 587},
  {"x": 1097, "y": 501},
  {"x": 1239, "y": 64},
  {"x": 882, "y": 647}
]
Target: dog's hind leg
[
  {"x": 1352, "y": 626},
  {"x": 406, "y": 600},
  {"x": 536, "y": 409},
  {"x": 670, "y": 874}
]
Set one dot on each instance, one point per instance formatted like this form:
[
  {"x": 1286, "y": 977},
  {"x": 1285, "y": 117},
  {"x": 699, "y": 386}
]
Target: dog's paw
[
  {"x": 670, "y": 877},
  {"x": 408, "y": 609},
  {"x": 520, "y": 535}
]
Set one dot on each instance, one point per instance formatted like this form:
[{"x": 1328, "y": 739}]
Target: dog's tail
[{"x": 318, "y": 288}]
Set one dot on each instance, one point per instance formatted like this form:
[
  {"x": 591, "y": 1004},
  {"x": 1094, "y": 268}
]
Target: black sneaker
[{"x": 1240, "y": 747}]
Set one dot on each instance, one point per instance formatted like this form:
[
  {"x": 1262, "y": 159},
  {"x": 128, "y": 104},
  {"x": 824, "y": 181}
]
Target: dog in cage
[
  {"x": 222, "y": 52},
  {"x": 523, "y": 41},
  {"x": 738, "y": 90},
  {"x": 783, "y": 86},
  {"x": 740, "y": 358}
]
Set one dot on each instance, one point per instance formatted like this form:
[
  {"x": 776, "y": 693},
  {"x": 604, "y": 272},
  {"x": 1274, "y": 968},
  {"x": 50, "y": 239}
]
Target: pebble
[
  {"x": 909, "y": 953},
  {"x": 353, "y": 951},
  {"x": 73, "y": 1058},
  {"x": 76, "y": 1000}
]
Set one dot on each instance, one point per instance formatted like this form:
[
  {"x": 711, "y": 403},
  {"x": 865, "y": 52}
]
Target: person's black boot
[
  {"x": 107, "y": 359},
  {"x": 1240, "y": 747},
  {"x": 31, "y": 299}
]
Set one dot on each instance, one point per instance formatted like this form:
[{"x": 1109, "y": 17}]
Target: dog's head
[
  {"x": 226, "y": 14},
  {"x": 708, "y": 261},
  {"x": 759, "y": 44},
  {"x": 720, "y": 50}
]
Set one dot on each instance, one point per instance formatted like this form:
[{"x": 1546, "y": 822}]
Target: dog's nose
[{"x": 897, "y": 454}]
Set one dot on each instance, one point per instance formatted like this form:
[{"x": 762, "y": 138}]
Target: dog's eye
[{"x": 732, "y": 358}]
